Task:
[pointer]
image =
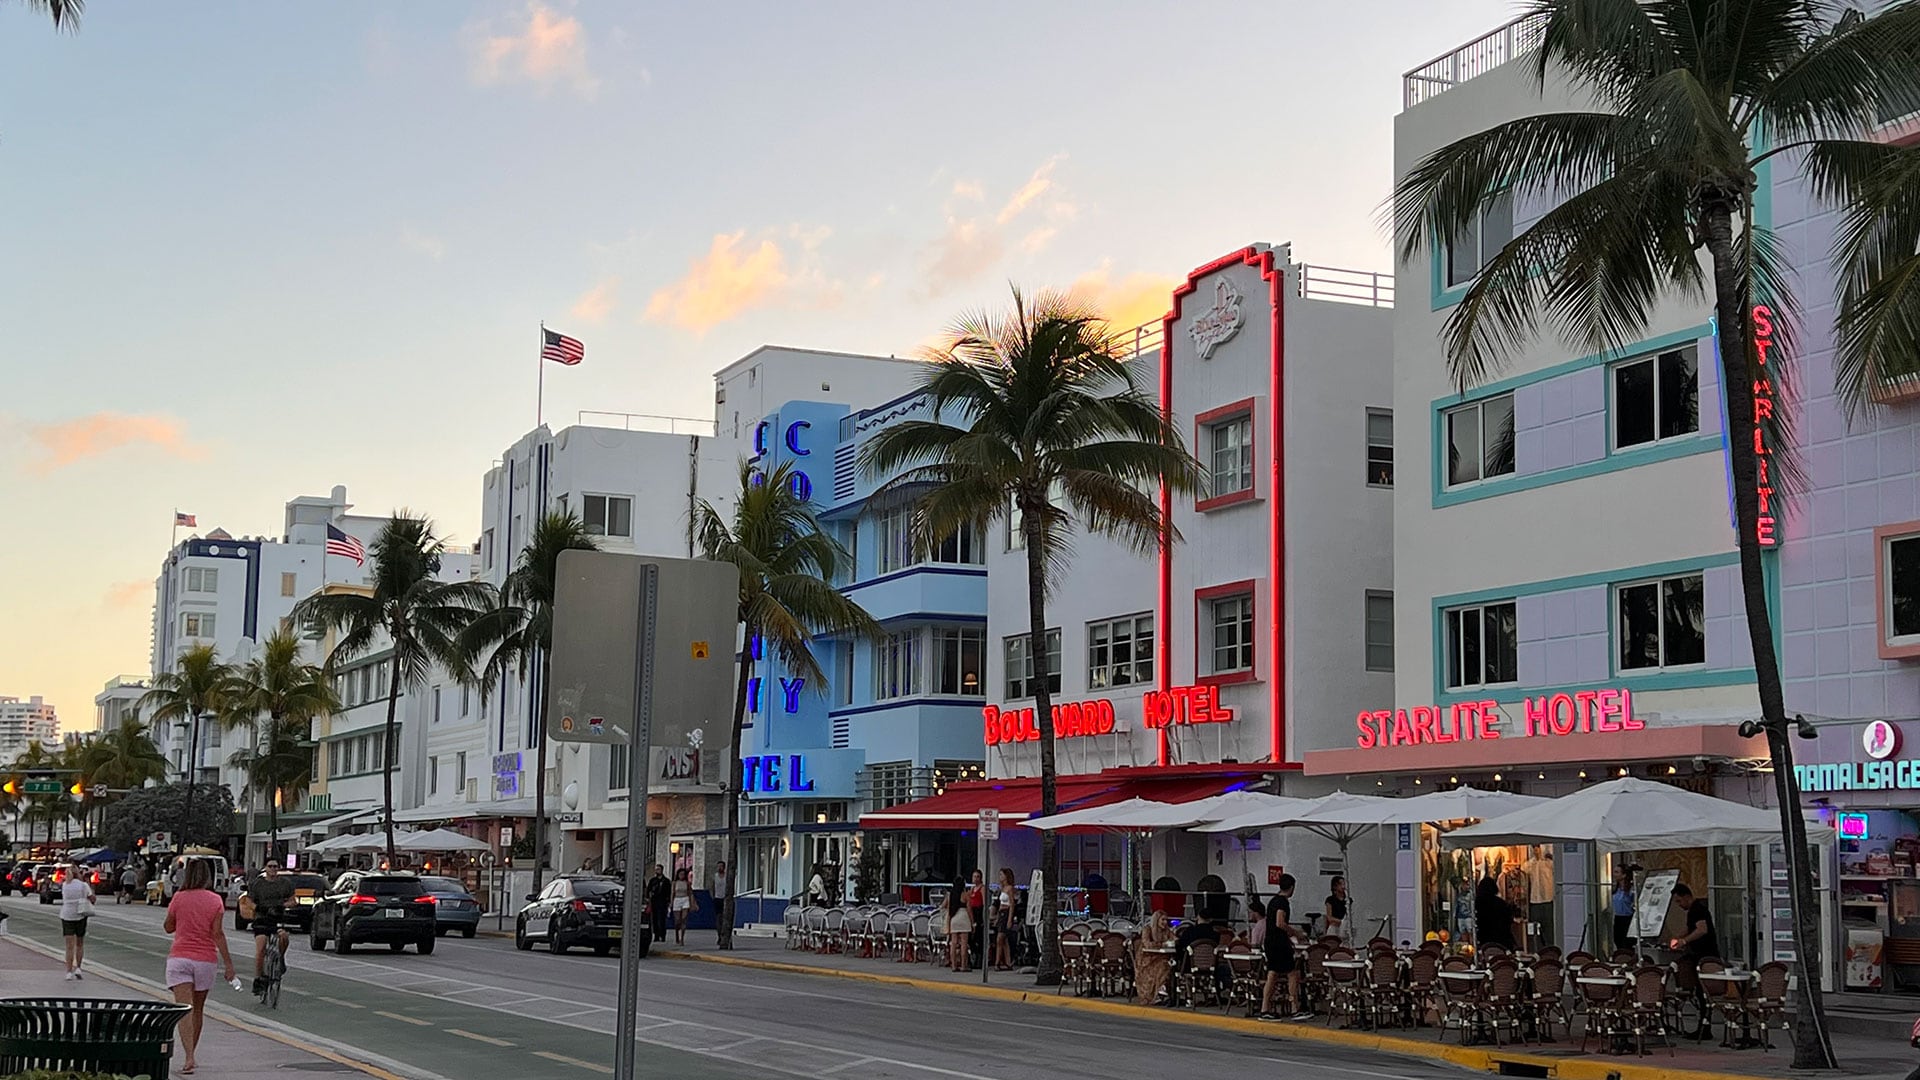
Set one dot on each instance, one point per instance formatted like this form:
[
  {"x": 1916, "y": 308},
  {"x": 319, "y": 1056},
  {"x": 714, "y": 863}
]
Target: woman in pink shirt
[{"x": 194, "y": 919}]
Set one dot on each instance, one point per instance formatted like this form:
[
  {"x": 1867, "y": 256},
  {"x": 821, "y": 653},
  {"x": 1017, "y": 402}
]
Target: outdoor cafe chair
[
  {"x": 1605, "y": 1019},
  {"x": 932, "y": 939},
  {"x": 1463, "y": 1003},
  {"x": 1551, "y": 952},
  {"x": 794, "y": 921},
  {"x": 1578, "y": 959},
  {"x": 1246, "y": 982},
  {"x": 832, "y": 927},
  {"x": 1346, "y": 990},
  {"x": 1378, "y": 942},
  {"x": 1386, "y": 997},
  {"x": 1074, "y": 963},
  {"x": 1688, "y": 1015},
  {"x": 1769, "y": 1000},
  {"x": 1728, "y": 998},
  {"x": 1113, "y": 965},
  {"x": 1506, "y": 998},
  {"x": 900, "y": 936},
  {"x": 1423, "y": 991},
  {"x": 1313, "y": 980},
  {"x": 1199, "y": 985},
  {"x": 1548, "y": 999},
  {"x": 1624, "y": 958},
  {"x": 1647, "y": 1007}
]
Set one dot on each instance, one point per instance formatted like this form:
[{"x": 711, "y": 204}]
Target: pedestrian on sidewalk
[
  {"x": 199, "y": 939},
  {"x": 76, "y": 905},
  {"x": 129, "y": 884},
  {"x": 682, "y": 903},
  {"x": 657, "y": 891},
  {"x": 1005, "y": 926},
  {"x": 959, "y": 926},
  {"x": 719, "y": 894}
]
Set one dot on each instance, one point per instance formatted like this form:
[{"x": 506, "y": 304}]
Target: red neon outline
[
  {"x": 1276, "y": 538},
  {"x": 1244, "y": 407}
]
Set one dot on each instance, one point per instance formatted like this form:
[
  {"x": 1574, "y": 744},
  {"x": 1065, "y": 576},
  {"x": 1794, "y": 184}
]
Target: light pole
[{"x": 1806, "y": 922}]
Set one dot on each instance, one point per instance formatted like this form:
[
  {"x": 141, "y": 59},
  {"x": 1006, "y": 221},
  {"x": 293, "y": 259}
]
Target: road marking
[
  {"x": 582, "y": 1012},
  {"x": 565, "y": 1060},
  {"x": 290, "y": 990},
  {"x": 518, "y": 1001},
  {"x": 848, "y": 1065},
  {"x": 337, "y": 1001},
  {"x": 403, "y": 1018},
  {"x": 488, "y": 1039}
]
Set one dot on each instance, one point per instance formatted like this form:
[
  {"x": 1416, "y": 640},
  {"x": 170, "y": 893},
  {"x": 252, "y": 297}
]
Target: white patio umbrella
[
  {"x": 353, "y": 842},
  {"x": 439, "y": 840},
  {"x": 1458, "y": 804},
  {"x": 1200, "y": 812},
  {"x": 1094, "y": 816},
  {"x": 1629, "y": 814}
]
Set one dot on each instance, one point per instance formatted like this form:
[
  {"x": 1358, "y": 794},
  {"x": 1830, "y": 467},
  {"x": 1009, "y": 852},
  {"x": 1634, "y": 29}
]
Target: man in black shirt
[
  {"x": 1279, "y": 935},
  {"x": 1700, "y": 940}
]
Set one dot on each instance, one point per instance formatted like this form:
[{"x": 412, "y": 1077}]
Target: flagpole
[{"x": 540, "y": 396}]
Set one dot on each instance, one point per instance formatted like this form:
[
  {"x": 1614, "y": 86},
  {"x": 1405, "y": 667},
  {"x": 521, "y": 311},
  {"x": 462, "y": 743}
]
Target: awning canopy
[
  {"x": 1629, "y": 814},
  {"x": 1018, "y": 798},
  {"x": 505, "y": 808}
]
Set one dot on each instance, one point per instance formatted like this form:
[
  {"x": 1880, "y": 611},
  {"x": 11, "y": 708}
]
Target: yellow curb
[
  {"x": 285, "y": 1040},
  {"x": 1468, "y": 1057}
]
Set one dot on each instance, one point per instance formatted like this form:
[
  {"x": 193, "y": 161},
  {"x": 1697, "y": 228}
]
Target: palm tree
[
  {"x": 787, "y": 563},
  {"x": 122, "y": 757},
  {"x": 517, "y": 636},
  {"x": 1688, "y": 93},
  {"x": 288, "y": 694},
  {"x": 420, "y": 616},
  {"x": 195, "y": 689},
  {"x": 1036, "y": 418},
  {"x": 64, "y": 13},
  {"x": 278, "y": 768}
]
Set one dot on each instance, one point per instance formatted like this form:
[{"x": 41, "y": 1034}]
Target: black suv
[
  {"x": 577, "y": 909},
  {"x": 364, "y": 907},
  {"x": 297, "y": 913}
]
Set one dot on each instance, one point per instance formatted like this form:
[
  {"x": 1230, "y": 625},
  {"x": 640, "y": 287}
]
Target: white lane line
[
  {"x": 583, "y": 1012},
  {"x": 851, "y": 1064},
  {"x": 488, "y": 1039},
  {"x": 517, "y": 1001},
  {"x": 403, "y": 1018},
  {"x": 342, "y": 1004},
  {"x": 576, "y": 1062}
]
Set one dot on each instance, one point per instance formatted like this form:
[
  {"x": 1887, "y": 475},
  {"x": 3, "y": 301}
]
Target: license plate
[
  {"x": 396, "y": 913},
  {"x": 615, "y": 933}
]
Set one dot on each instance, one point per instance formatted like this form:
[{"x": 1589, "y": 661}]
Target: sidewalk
[
  {"x": 227, "y": 1050},
  {"x": 1860, "y": 1055}
]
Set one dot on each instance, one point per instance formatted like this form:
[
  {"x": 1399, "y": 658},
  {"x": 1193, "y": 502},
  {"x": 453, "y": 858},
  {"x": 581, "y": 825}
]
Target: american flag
[
  {"x": 347, "y": 547},
  {"x": 184, "y": 521},
  {"x": 560, "y": 348}
]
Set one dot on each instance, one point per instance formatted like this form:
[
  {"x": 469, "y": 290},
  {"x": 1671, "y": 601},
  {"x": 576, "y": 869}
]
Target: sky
[{"x": 250, "y": 251}]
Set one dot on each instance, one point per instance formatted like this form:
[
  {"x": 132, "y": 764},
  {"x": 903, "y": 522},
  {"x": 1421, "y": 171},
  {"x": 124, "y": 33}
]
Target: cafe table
[
  {"x": 1615, "y": 1035},
  {"x": 1463, "y": 982},
  {"x": 1732, "y": 1003}
]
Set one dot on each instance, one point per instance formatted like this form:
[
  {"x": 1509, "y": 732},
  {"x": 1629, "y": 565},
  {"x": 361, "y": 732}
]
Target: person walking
[
  {"x": 959, "y": 926},
  {"x": 1277, "y": 941},
  {"x": 76, "y": 905},
  {"x": 129, "y": 884},
  {"x": 719, "y": 894},
  {"x": 194, "y": 919},
  {"x": 1005, "y": 925},
  {"x": 682, "y": 903},
  {"x": 658, "y": 891}
]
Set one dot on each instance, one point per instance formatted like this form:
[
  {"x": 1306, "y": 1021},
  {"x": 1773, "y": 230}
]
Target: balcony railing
[
  {"x": 1472, "y": 60},
  {"x": 1142, "y": 339},
  {"x": 670, "y": 425},
  {"x": 1367, "y": 287}
]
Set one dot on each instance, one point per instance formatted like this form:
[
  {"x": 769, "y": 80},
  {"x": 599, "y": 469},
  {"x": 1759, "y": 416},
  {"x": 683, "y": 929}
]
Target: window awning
[{"x": 1018, "y": 798}]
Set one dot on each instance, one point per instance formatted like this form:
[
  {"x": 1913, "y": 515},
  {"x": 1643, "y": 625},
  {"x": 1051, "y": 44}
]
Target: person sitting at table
[
  {"x": 1493, "y": 917},
  {"x": 1152, "y": 969}
]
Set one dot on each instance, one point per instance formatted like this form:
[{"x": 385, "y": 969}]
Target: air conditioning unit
[{"x": 473, "y": 790}]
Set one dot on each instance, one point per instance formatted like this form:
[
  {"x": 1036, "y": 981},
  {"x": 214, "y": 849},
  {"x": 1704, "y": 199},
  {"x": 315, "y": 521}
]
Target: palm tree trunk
[
  {"x": 540, "y": 766},
  {"x": 732, "y": 792},
  {"x": 273, "y": 821},
  {"x": 1049, "y": 971},
  {"x": 253, "y": 732},
  {"x": 1812, "y": 1048},
  {"x": 386, "y": 753},
  {"x": 193, "y": 754}
]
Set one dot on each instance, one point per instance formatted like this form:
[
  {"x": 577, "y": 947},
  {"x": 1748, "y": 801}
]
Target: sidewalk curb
[
  {"x": 1480, "y": 1059},
  {"x": 224, "y": 1013}
]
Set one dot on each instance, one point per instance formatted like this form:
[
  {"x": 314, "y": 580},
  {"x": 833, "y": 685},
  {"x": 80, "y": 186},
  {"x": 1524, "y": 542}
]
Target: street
[{"x": 479, "y": 1008}]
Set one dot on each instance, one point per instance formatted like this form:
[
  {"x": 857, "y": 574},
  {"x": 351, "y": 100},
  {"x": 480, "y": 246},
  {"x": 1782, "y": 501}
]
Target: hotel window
[
  {"x": 608, "y": 515},
  {"x": 1656, "y": 398},
  {"x": 896, "y": 666},
  {"x": 1232, "y": 620},
  {"x": 433, "y": 776},
  {"x": 436, "y": 704},
  {"x": 619, "y": 759},
  {"x": 962, "y": 545},
  {"x": 1482, "y": 645},
  {"x": 486, "y": 550},
  {"x": 360, "y": 751},
  {"x": 1480, "y": 440},
  {"x": 1020, "y": 664},
  {"x": 288, "y": 583},
  {"x": 959, "y": 659},
  {"x": 380, "y": 678},
  {"x": 1379, "y": 630},
  {"x": 1120, "y": 652},
  {"x": 1379, "y": 447},
  {"x": 197, "y": 624},
  {"x": 203, "y": 580},
  {"x": 1474, "y": 246},
  {"x": 466, "y": 699},
  {"x": 893, "y": 540},
  {"x": 366, "y": 683},
  {"x": 1230, "y": 444},
  {"x": 1902, "y": 599},
  {"x": 1663, "y": 623},
  {"x": 460, "y": 771},
  {"x": 843, "y": 684},
  {"x": 1016, "y": 540}
]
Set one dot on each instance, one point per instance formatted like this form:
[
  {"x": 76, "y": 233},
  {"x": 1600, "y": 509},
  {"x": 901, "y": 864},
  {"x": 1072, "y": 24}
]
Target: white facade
[
  {"x": 27, "y": 720},
  {"x": 118, "y": 703}
]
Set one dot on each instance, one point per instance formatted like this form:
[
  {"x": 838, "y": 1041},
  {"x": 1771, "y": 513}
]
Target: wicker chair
[
  {"x": 1624, "y": 958},
  {"x": 1313, "y": 978},
  {"x": 1346, "y": 990},
  {"x": 1423, "y": 993},
  {"x": 794, "y": 921},
  {"x": 1646, "y": 1009},
  {"x": 1113, "y": 967},
  {"x": 1075, "y": 969},
  {"x": 1463, "y": 1002},
  {"x": 1605, "y": 1018},
  {"x": 1246, "y": 982},
  {"x": 1551, "y": 952},
  {"x": 1578, "y": 959},
  {"x": 1549, "y": 1001},
  {"x": 1198, "y": 984},
  {"x": 1505, "y": 1000},
  {"x": 1769, "y": 1001},
  {"x": 1389, "y": 1003}
]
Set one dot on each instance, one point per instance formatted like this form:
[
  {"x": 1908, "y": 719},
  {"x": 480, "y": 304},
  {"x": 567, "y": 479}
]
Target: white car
[{"x": 177, "y": 869}]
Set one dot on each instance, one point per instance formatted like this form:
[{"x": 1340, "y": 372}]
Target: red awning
[{"x": 1018, "y": 798}]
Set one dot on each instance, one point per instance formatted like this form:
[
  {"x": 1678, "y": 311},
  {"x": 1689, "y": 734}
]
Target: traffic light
[
  {"x": 79, "y": 787},
  {"x": 12, "y": 786}
]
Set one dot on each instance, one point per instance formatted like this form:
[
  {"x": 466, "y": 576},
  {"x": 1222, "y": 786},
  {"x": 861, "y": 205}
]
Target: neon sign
[
  {"x": 764, "y": 774},
  {"x": 1901, "y": 775},
  {"x": 1853, "y": 826},
  {"x": 1071, "y": 720},
  {"x": 760, "y": 438},
  {"x": 1583, "y": 712},
  {"x": 793, "y": 437},
  {"x": 1184, "y": 705},
  {"x": 1763, "y": 525}
]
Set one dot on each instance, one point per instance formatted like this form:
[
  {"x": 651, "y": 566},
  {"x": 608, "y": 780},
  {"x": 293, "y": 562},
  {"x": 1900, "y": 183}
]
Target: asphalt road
[{"x": 481, "y": 1009}]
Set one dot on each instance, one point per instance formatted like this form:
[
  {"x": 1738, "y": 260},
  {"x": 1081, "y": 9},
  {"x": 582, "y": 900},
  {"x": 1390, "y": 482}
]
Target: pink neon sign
[
  {"x": 1763, "y": 526},
  {"x": 1582, "y": 712},
  {"x": 1184, "y": 705}
]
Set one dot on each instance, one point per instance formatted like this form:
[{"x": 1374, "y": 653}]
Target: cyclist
[{"x": 270, "y": 893}]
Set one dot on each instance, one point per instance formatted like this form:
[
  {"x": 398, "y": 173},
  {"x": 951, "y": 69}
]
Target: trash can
[{"x": 131, "y": 1038}]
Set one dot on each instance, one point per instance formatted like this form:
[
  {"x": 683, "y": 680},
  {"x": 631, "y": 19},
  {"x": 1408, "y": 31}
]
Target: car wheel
[
  {"x": 396, "y": 946},
  {"x": 602, "y": 950},
  {"x": 427, "y": 943},
  {"x": 555, "y": 945},
  {"x": 315, "y": 941},
  {"x": 341, "y": 945},
  {"x": 469, "y": 932},
  {"x": 520, "y": 940}
]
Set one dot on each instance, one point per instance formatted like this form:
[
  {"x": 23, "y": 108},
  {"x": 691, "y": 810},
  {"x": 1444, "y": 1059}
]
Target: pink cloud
[
  {"x": 126, "y": 594},
  {"x": 598, "y": 302},
  {"x": 82, "y": 438},
  {"x": 545, "y": 49},
  {"x": 734, "y": 276}
]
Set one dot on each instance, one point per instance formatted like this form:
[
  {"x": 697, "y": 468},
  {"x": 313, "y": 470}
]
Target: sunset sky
[{"x": 254, "y": 250}]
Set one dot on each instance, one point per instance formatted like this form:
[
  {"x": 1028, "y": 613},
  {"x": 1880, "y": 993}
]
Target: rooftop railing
[
  {"x": 670, "y": 425},
  {"x": 1472, "y": 60},
  {"x": 1367, "y": 287}
]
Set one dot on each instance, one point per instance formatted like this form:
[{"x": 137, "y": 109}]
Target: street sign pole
[
  {"x": 989, "y": 832},
  {"x": 633, "y": 907}
]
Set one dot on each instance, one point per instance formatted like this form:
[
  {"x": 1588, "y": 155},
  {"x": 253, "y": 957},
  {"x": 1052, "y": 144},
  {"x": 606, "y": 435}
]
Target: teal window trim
[
  {"x": 1615, "y": 460},
  {"x": 1443, "y": 297},
  {"x": 1657, "y": 680}
]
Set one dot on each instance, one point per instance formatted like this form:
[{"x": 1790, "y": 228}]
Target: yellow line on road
[
  {"x": 403, "y": 1018},
  {"x": 488, "y": 1039},
  {"x": 342, "y": 1004},
  {"x": 565, "y": 1060}
]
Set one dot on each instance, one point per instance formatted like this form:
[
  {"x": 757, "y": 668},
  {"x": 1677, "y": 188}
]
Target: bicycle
[{"x": 275, "y": 966}]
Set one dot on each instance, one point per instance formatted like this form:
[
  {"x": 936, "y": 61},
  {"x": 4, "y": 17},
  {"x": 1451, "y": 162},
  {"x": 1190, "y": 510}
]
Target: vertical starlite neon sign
[{"x": 1763, "y": 397}]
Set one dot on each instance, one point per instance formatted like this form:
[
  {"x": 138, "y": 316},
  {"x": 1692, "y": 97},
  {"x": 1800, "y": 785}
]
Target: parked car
[
  {"x": 307, "y": 891},
  {"x": 6, "y": 877},
  {"x": 455, "y": 908},
  {"x": 47, "y": 879},
  {"x": 364, "y": 907},
  {"x": 577, "y": 909},
  {"x": 177, "y": 870}
]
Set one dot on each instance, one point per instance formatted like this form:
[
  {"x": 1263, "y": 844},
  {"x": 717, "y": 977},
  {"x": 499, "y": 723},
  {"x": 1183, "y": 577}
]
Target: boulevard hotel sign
[{"x": 1176, "y": 707}]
